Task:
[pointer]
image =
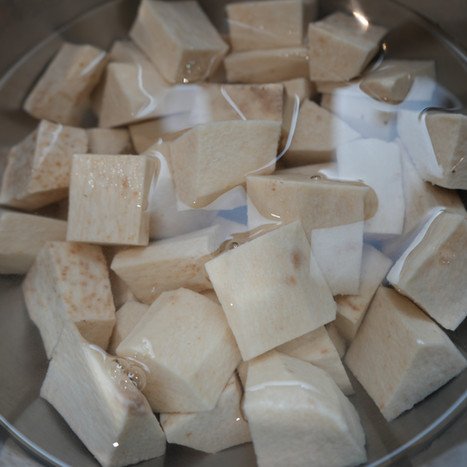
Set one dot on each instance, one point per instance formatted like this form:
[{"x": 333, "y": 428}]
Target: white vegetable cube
[
  {"x": 109, "y": 141},
  {"x": 299, "y": 417},
  {"x": 271, "y": 290},
  {"x": 317, "y": 135},
  {"x": 168, "y": 264},
  {"x": 178, "y": 324},
  {"x": 400, "y": 355},
  {"x": 179, "y": 39},
  {"x": 341, "y": 46},
  {"x": 378, "y": 164},
  {"x": 108, "y": 199},
  {"x": 62, "y": 92},
  {"x": 351, "y": 309},
  {"x": 316, "y": 347},
  {"x": 21, "y": 238},
  {"x": 214, "y": 430},
  {"x": 431, "y": 270},
  {"x": 210, "y": 159},
  {"x": 38, "y": 168},
  {"x": 69, "y": 282},
  {"x": 265, "y": 66},
  {"x": 98, "y": 398},
  {"x": 265, "y": 25}
]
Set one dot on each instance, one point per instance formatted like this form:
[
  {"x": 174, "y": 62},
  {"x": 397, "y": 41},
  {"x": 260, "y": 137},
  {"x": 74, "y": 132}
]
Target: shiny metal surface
[{"x": 22, "y": 359}]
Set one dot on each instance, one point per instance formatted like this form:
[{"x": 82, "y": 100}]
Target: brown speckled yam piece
[
  {"x": 62, "y": 92},
  {"x": 38, "y": 168},
  {"x": 108, "y": 199},
  {"x": 69, "y": 282}
]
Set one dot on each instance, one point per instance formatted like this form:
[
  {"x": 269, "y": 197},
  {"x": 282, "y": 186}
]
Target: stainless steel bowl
[{"x": 30, "y": 33}]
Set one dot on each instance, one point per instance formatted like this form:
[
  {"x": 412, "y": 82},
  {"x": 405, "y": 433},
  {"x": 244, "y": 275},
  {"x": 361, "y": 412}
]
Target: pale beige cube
[
  {"x": 269, "y": 24},
  {"x": 299, "y": 417},
  {"x": 431, "y": 271},
  {"x": 69, "y": 283},
  {"x": 271, "y": 290},
  {"x": 62, "y": 92},
  {"x": 109, "y": 141},
  {"x": 21, "y": 238},
  {"x": 214, "y": 430},
  {"x": 316, "y": 347},
  {"x": 127, "y": 318},
  {"x": 38, "y": 168},
  {"x": 317, "y": 135},
  {"x": 179, "y": 40},
  {"x": 400, "y": 355},
  {"x": 109, "y": 199},
  {"x": 95, "y": 395},
  {"x": 351, "y": 309},
  {"x": 210, "y": 159},
  {"x": 168, "y": 264},
  {"x": 186, "y": 344},
  {"x": 265, "y": 66},
  {"x": 341, "y": 46}
]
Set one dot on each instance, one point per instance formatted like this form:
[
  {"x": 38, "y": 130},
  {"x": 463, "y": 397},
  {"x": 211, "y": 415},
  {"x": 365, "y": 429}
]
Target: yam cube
[
  {"x": 271, "y": 290},
  {"x": 431, "y": 270},
  {"x": 265, "y": 25},
  {"x": 96, "y": 396},
  {"x": 109, "y": 141},
  {"x": 214, "y": 430},
  {"x": 179, "y": 39},
  {"x": 38, "y": 168},
  {"x": 317, "y": 135},
  {"x": 341, "y": 46},
  {"x": 21, "y": 238},
  {"x": 210, "y": 159},
  {"x": 108, "y": 199},
  {"x": 378, "y": 164},
  {"x": 178, "y": 324},
  {"x": 265, "y": 66},
  {"x": 351, "y": 309},
  {"x": 299, "y": 417},
  {"x": 69, "y": 283},
  {"x": 62, "y": 93},
  {"x": 168, "y": 264},
  {"x": 126, "y": 319},
  {"x": 316, "y": 347},
  {"x": 400, "y": 355}
]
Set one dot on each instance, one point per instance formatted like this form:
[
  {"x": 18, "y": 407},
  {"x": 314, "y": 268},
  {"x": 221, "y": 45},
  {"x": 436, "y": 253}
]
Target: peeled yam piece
[
  {"x": 96, "y": 396},
  {"x": 21, "y": 238},
  {"x": 266, "y": 24},
  {"x": 38, "y": 168},
  {"x": 351, "y": 309},
  {"x": 299, "y": 417},
  {"x": 265, "y": 66},
  {"x": 127, "y": 317},
  {"x": 179, "y": 324},
  {"x": 179, "y": 39},
  {"x": 431, "y": 270},
  {"x": 214, "y": 430},
  {"x": 341, "y": 46},
  {"x": 168, "y": 264},
  {"x": 62, "y": 92},
  {"x": 393, "y": 80},
  {"x": 108, "y": 199},
  {"x": 271, "y": 290},
  {"x": 317, "y": 135},
  {"x": 210, "y": 159},
  {"x": 378, "y": 164},
  {"x": 400, "y": 355},
  {"x": 109, "y": 141},
  {"x": 316, "y": 347},
  {"x": 64, "y": 285}
]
